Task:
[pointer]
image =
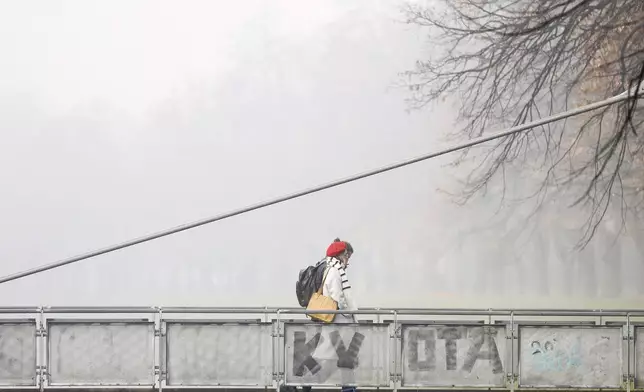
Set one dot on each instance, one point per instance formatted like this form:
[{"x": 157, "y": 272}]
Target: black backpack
[{"x": 308, "y": 282}]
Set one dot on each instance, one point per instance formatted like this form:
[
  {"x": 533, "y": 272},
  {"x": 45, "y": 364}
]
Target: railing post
[
  {"x": 281, "y": 359},
  {"x": 275, "y": 353},
  {"x": 395, "y": 373},
  {"x": 41, "y": 349},
  {"x": 629, "y": 339},
  {"x": 159, "y": 335},
  {"x": 512, "y": 375}
]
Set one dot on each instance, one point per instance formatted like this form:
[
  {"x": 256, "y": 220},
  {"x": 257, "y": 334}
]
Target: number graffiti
[{"x": 550, "y": 356}]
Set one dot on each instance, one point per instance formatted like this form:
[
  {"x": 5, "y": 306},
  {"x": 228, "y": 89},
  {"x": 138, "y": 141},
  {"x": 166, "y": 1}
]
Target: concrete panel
[
  {"x": 101, "y": 353},
  {"x": 439, "y": 355},
  {"x": 336, "y": 354},
  {"x": 639, "y": 357},
  {"x": 18, "y": 354},
  {"x": 203, "y": 354},
  {"x": 575, "y": 356}
]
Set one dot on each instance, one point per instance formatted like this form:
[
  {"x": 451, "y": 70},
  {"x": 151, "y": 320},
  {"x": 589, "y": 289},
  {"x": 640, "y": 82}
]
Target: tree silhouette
[{"x": 507, "y": 62}]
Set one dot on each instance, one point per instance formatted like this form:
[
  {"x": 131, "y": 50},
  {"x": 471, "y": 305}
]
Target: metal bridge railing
[{"x": 267, "y": 347}]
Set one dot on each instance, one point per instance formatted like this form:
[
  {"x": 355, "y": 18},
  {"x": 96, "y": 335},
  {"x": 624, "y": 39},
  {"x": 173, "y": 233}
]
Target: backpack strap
[{"x": 326, "y": 272}]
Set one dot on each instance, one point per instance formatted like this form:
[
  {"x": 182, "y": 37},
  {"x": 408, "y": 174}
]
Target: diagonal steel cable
[{"x": 150, "y": 237}]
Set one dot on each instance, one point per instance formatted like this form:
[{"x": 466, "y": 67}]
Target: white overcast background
[{"x": 121, "y": 118}]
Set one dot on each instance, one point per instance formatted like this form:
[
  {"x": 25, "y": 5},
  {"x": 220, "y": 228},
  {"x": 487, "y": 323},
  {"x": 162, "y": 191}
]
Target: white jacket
[{"x": 337, "y": 287}]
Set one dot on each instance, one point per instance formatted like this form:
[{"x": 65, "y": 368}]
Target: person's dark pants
[{"x": 344, "y": 389}]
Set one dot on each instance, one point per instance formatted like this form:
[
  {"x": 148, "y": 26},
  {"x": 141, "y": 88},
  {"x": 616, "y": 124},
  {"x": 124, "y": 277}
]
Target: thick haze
[{"x": 122, "y": 118}]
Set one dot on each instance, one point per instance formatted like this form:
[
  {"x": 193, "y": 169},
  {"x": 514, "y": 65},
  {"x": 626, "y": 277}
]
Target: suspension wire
[{"x": 511, "y": 131}]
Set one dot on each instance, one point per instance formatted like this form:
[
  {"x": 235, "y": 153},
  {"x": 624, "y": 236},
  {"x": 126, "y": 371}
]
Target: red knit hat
[{"x": 336, "y": 248}]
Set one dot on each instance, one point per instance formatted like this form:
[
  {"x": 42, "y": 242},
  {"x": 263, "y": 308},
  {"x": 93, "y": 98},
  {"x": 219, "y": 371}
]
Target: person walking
[{"x": 336, "y": 286}]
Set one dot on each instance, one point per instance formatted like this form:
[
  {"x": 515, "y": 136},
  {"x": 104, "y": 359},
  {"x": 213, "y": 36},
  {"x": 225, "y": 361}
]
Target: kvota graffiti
[
  {"x": 453, "y": 355},
  {"x": 303, "y": 352},
  {"x": 481, "y": 346},
  {"x": 335, "y": 354}
]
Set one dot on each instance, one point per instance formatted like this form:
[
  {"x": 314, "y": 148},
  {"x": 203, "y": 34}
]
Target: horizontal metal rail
[{"x": 298, "y": 310}]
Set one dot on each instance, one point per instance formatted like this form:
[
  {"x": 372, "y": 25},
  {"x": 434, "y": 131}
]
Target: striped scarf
[
  {"x": 346, "y": 287},
  {"x": 335, "y": 263}
]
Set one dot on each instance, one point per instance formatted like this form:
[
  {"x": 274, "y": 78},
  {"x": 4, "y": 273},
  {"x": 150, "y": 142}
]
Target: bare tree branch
[{"x": 511, "y": 61}]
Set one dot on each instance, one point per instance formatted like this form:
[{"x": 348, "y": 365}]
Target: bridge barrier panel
[
  {"x": 100, "y": 353},
  {"x": 570, "y": 356},
  {"x": 206, "y": 353},
  {"x": 18, "y": 353},
  {"x": 336, "y": 354},
  {"x": 639, "y": 357},
  {"x": 453, "y": 355}
]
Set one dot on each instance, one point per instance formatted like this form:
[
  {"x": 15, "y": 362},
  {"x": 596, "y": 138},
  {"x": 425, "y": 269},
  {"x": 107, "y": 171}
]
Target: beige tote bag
[{"x": 321, "y": 302}]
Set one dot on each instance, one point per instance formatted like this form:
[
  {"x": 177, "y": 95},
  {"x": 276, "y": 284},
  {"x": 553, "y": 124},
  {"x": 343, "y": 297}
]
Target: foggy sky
[{"x": 122, "y": 118}]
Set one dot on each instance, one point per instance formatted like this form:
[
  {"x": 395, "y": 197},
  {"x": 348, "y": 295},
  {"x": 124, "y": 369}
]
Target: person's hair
[{"x": 349, "y": 248}]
